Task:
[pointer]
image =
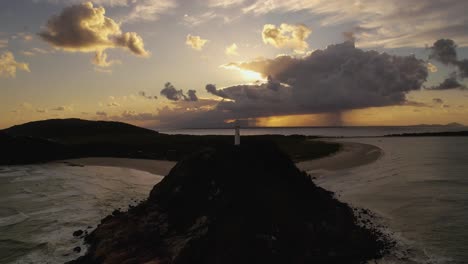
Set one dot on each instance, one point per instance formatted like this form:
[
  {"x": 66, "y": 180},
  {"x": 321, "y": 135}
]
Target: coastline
[{"x": 349, "y": 156}]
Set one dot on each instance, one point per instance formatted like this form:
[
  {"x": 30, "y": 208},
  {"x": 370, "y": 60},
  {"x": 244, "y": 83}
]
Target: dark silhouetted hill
[
  {"x": 230, "y": 205},
  {"x": 71, "y": 131},
  {"x": 432, "y": 134},
  {"x": 82, "y": 138},
  {"x": 24, "y": 150}
]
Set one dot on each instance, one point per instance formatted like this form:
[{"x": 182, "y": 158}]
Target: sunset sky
[{"x": 202, "y": 63}]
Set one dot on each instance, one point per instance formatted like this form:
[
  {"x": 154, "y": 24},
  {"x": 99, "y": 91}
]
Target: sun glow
[{"x": 251, "y": 75}]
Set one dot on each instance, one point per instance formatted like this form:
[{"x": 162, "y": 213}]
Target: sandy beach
[{"x": 351, "y": 155}]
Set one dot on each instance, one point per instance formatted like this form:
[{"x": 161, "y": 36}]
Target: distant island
[{"x": 454, "y": 124}]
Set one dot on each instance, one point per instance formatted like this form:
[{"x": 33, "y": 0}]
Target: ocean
[
  {"x": 42, "y": 205},
  {"x": 418, "y": 190}
]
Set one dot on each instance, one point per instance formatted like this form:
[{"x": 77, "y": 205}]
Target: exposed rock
[
  {"x": 245, "y": 204},
  {"x": 78, "y": 233}
]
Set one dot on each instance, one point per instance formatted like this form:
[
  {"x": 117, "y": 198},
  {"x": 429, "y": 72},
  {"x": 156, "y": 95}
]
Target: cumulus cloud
[
  {"x": 445, "y": 51},
  {"x": 231, "y": 50},
  {"x": 286, "y": 36},
  {"x": 196, "y": 42},
  {"x": 173, "y": 94},
  {"x": 85, "y": 28},
  {"x": 9, "y": 65},
  {"x": 334, "y": 80}
]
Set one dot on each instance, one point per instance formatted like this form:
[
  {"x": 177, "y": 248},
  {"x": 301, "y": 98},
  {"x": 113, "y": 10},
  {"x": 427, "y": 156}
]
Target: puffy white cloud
[
  {"x": 286, "y": 36},
  {"x": 9, "y": 65},
  {"x": 196, "y": 42},
  {"x": 231, "y": 50},
  {"x": 85, "y": 28}
]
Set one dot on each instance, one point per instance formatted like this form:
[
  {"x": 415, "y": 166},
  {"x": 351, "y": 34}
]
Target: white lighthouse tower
[{"x": 237, "y": 133}]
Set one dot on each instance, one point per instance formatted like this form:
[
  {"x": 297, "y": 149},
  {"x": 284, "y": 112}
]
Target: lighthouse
[{"x": 237, "y": 133}]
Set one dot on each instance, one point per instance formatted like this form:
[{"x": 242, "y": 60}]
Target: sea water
[
  {"x": 419, "y": 191},
  {"x": 42, "y": 205}
]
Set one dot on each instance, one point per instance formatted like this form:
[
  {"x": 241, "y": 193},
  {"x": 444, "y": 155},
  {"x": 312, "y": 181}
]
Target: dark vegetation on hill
[
  {"x": 74, "y": 138},
  {"x": 432, "y": 134},
  {"x": 230, "y": 205}
]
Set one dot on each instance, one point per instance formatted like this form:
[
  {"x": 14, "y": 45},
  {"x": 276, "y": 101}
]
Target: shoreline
[{"x": 350, "y": 155}]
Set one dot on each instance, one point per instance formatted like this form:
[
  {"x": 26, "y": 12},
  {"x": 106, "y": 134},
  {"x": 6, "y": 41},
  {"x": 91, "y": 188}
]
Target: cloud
[
  {"x": 192, "y": 96},
  {"x": 193, "y": 21},
  {"x": 444, "y": 51},
  {"x": 286, "y": 36},
  {"x": 113, "y": 104},
  {"x": 9, "y": 65},
  {"x": 171, "y": 93},
  {"x": 449, "y": 83},
  {"x": 41, "y": 110},
  {"x": 334, "y": 80},
  {"x": 196, "y": 42},
  {"x": 224, "y": 3},
  {"x": 231, "y": 50},
  {"x": 101, "y": 113},
  {"x": 62, "y": 108},
  {"x": 149, "y": 10},
  {"x": 211, "y": 88},
  {"x": 383, "y": 23},
  {"x": 100, "y": 60},
  {"x": 431, "y": 67},
  {"x": 3, "y": 43},
  {"x": 143, "y": 94},
  {"x": 85, "y": 28}
]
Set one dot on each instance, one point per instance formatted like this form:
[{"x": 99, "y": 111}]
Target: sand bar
[{"x": 351, "y": 155}]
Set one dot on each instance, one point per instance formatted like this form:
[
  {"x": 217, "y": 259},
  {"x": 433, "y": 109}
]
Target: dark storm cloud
[
  {"x": 192, "y": 96},
  {"x": 340, "y": 78},
  {"x": 211, "y": 88},
  {"x": 445, "y": 51},
  {"x": 449, "y": 83},
  {"x": 333, "y": 80},
  {"x": 171, "y": 93}
]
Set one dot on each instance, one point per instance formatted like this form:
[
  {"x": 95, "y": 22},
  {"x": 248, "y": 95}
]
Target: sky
[{"x": 205, "y": 63}]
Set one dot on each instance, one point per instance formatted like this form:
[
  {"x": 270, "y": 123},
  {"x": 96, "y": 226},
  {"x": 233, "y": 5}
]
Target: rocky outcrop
[{"x": 245, "y": 204}]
